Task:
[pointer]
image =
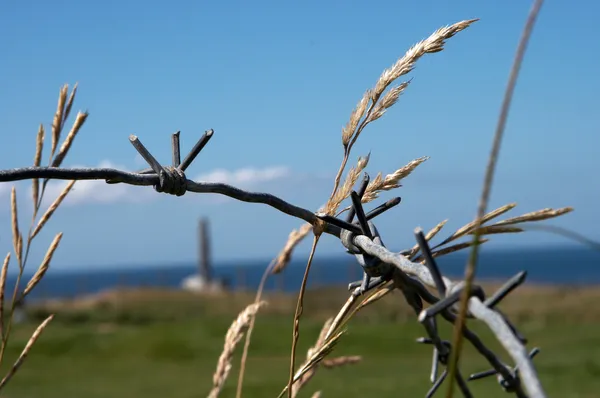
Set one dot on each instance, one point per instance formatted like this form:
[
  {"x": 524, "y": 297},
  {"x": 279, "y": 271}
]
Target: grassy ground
[{"x": 166, "y": 344}]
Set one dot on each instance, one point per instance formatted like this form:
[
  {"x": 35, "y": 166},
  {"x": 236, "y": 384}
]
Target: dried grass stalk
[
  {"x": 317, "y": 394},
  {"x": 341, "y": 361},
  {"x": 284, "y": 257},
  {"x": 493, "y": 229},
  {"x": 302, "y": 381},
  {"x": 300, "y": 310},
  {"x": 433, "y": 44},
  {"x": 539, "y": 215},
  {"x": 377, "y": 295},
  {"x": 355, "y": 117},
  {"x": 317, "y": 356},
  {"x": 232, "y": 338},
  {"x": 3, "y": 274},
  {"x": 527, "y": 373},
  {"x": 44, "y": 219},
  {"x": 468, "y": 228},
  {"x": 388, "y": 100},
  {"x": 450, "y": 249},
  {"x": 16, "y": 234},
  {"x": 391, "y": 181},
  {"x": 58, "y": 119},
  {"x": 70, "y": 103},
  {"x": 34, "y": 337},
  {"x": 66, "y": 145},
  {"x": 41, "y": 271},
  {"x": 430, "y": 235},
  {"x": 344, "y": 191},
  {"x": 305, "y": 378},
  {"x": 37, "y": 160},
  {"x": 341, "y": 315}
]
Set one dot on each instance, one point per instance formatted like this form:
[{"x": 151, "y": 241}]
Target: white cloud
[
  {"x": 98, "y": 192},
  {"x": 245, "y": 176}
]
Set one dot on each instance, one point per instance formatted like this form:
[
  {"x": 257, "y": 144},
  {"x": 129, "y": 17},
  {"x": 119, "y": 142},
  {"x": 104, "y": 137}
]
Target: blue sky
[{"x": 277, "y": 81}]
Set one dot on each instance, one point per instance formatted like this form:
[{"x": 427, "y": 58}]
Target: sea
[{"x": 577, "y": 265}]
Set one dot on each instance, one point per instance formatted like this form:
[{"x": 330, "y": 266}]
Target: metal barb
[
  {"x": 361, "y": 192},
  {"x": 437, "y": 384},
  {"x": 360, "y": 215},
  {"x": 449, "y": 301},
  {"x": 340, "y": 223},
  {"x": 430, "y": 262},
  {"x": 509, "y": 385},
  {"x": 441, "y": 357},
  {"x": 506, "y": 289},
  {"x": 187, "y": 161},
  {"x": 383, "y": 207},
  {"x": 175, "y": 148},
  {"x": 137, "y": 144}
]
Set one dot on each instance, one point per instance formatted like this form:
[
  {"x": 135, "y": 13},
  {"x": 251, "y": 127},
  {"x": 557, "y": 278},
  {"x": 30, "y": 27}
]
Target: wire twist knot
[{"x": 172, "y": 181}]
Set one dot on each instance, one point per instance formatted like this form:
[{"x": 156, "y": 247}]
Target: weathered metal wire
[{"x": 360, "y": 239}]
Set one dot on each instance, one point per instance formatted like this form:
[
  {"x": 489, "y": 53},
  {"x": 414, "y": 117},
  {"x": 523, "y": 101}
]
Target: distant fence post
[{"x": 204, "y": 264}]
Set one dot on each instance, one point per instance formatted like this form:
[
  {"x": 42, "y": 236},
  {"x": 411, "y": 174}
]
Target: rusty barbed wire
[
  {"x": 361, "y": 239},
  {"x": 381, "y": 266}
]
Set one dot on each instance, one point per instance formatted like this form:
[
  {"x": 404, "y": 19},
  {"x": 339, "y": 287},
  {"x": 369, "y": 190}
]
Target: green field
[{"x": 166, "y": 344}]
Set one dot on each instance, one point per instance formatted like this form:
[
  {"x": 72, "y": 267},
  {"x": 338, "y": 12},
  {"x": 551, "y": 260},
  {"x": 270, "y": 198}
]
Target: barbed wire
[{"x": 361, "y": 239}]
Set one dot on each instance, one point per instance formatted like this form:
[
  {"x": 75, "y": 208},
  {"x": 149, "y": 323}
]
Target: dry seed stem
[
  {"x": 232, "y": 338},
  {"x": 492, "y": 229},
  {"x": 37, "y": 160},
  {"x": 304, "y": 379},
  {"x": 485, "y": 194},
  {"x": 450, "y": 249},
  {"x": 434, "y": 43},
  {"x": 355, "y": 116},
  {"x": 391, "y": 181},
  {"x": 2, "y": 289},
  {"x": 539, "y": 215},
  {"x": 41, "y": 271},
  {"x": 315, "y": 359},
  {"x": 58, "y": 119},
  {"x": 430, "y": 235},
  {"x": 34, "y": 337},
  {"x": 466, "y": 229},
  {"x": 16, "y": 234},
  {"x": 388, "y": 100},
  {"x": 344, "y": 192},
  {"x": 341, "y": 361},
  {"x": 298, "y": 314},
  {"x": 248, "y": 337},
  {"x": 44, "y": 219},
  {"x": 340, "y": 316},
  {"x": 378, "y": 295},
  {"x": 66, "y": 145},
  {"x": 69, "y": 104},
  {"x": 284, "y": 257}
]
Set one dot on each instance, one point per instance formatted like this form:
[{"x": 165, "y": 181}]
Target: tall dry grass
[{"x": 21, "y": 250}]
